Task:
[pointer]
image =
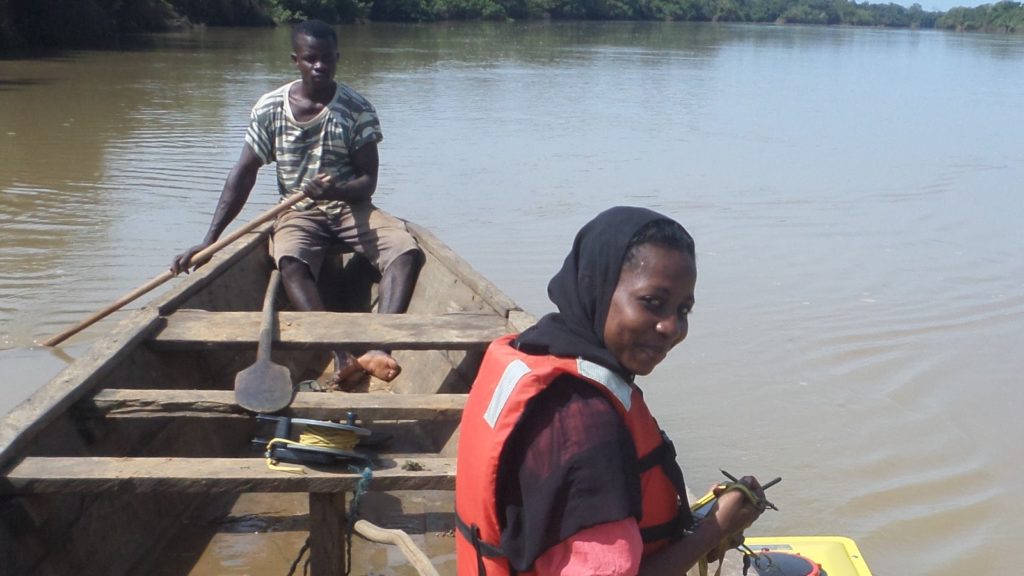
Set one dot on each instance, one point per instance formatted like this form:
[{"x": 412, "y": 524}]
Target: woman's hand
[
  {"x": 720, "y": 530},
  {"x": 734, "y": 511}
]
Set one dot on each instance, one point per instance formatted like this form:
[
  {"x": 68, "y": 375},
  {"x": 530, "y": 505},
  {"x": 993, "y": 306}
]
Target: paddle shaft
[
  {"x": 267, "y": 326},
  {"x": 199, "y": 258}
]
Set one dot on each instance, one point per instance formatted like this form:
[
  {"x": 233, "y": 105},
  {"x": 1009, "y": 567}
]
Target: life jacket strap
[
  {"x": 471, "y": 532},
  {"x": 664, "y": 455}
]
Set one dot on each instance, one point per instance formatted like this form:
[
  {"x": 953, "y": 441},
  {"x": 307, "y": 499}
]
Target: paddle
[
  {"x": 199, "y": 258},
  {"x": 265, "y": 387}
]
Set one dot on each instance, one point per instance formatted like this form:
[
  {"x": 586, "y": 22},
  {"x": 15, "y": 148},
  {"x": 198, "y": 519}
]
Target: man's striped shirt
[{"x": 322, "y": 144}]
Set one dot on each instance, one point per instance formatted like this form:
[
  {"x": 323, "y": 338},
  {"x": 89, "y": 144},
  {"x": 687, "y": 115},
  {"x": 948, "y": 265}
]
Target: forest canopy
[{"x": 59, "y": 23}]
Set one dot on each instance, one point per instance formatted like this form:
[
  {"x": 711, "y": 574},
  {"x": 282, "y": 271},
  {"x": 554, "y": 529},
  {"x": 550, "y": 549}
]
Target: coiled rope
[{"x": 316, "y": 437}]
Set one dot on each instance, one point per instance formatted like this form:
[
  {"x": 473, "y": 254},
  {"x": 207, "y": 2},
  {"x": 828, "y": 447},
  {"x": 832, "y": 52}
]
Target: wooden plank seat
[
  {"x": 48, "y": 475},
  {"x": 115, "y": 403},
  {"x": 191, "y": 329}
]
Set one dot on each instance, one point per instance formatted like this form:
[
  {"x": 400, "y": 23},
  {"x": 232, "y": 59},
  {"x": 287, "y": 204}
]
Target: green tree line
[{"x": 31, "y": 23}]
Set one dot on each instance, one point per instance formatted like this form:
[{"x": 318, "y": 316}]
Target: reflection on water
[{"x": 853, "y": 194}]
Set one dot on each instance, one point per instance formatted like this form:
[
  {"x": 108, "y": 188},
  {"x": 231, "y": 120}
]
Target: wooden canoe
[{"x": 100, "y": 467}]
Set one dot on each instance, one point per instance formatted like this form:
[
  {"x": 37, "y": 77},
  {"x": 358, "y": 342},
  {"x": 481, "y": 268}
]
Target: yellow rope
[
  {"x": 316, "y": 436},
  {"x": 325, "y": 437},
  {"x": 702, "y": 564},
  {"x": 273, "y": 465}
]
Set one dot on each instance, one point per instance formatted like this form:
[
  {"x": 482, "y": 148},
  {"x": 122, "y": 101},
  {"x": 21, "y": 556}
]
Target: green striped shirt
[{"x": 322, "y": 144}]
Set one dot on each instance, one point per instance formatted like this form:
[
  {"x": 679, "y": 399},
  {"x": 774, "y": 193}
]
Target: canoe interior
[{"x": 142, "y": 432}]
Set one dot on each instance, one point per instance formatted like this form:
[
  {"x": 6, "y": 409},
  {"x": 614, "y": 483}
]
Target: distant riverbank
[{"x": 33, "y": 24}]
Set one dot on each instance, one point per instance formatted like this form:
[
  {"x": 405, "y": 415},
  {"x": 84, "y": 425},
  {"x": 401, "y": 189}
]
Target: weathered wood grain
[
  {"x": 39, "y": 475},
  {"x": 317, "y": 405},
  {"x": 461, "y": 269},
  {"x": 197, "y": 329},
  {"x": 327, "y": 525},
  {"x": 519, "y": 320}
]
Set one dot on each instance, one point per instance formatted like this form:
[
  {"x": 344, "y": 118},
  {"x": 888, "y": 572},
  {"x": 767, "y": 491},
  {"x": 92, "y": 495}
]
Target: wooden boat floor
[{"x": 268, "y": 530}]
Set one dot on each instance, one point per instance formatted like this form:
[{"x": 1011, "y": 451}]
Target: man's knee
[
  {"x": 413, "y": 258},
  {"x": 293, "y": 268},
  {"x": 407, "y": 263}
]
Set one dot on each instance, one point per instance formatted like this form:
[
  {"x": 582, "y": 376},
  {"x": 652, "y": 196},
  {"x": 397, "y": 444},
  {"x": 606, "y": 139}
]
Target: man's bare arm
[{"x": 233, "y": 197}]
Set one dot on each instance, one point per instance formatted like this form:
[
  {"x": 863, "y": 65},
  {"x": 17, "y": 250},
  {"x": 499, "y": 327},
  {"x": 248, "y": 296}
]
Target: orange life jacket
[{"x": 508, "y": 380}]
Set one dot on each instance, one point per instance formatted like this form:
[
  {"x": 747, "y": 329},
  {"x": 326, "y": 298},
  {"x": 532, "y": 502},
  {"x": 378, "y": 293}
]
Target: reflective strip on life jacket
[{"x": 596, "y": 373}]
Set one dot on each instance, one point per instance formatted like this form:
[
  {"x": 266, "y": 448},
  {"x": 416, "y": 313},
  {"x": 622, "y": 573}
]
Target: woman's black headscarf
[{"x": 582, "y": 290}]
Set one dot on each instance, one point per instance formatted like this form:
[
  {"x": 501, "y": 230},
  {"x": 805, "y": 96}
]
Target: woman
[{"x": 561, "y": 467}]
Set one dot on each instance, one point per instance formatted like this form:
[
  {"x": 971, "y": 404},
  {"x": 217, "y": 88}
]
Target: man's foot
[
  {"x": 380, "y": 364},
  {"x": 351, "y": 372},
  {"x": 347, "y": 372}
]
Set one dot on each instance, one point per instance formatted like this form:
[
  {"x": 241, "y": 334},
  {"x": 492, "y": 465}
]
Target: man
[{"x": 323, "y": 137}]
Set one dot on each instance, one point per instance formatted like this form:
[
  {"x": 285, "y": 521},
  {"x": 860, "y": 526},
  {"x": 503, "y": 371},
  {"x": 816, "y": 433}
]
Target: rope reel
[{"x": 320, "y": 442}]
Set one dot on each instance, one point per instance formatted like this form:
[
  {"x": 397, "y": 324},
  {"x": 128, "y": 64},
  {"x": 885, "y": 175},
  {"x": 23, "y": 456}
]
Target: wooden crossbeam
[
  {"x": 191, "y": 329},
  {"x": 316, "y": 405},
  {"x": 48, "y": 475}
]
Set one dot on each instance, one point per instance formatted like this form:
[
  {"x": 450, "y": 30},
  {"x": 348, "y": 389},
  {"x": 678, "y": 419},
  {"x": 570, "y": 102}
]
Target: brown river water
[{"x": 854, "y": 194}]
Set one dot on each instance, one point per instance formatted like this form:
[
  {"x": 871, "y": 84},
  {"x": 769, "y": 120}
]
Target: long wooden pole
[{"x": 199, "y": 258}]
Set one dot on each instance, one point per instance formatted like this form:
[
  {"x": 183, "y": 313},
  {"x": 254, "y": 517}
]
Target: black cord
[{"x": 302, "y": 552}]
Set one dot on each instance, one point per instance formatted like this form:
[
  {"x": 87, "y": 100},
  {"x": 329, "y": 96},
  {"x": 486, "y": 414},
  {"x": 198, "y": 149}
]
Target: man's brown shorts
[{"x": 366, "y": 229}]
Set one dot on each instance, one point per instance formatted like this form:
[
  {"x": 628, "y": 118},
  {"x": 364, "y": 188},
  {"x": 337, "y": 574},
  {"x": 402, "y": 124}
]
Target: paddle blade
[{"x": 264, "y": 388}]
